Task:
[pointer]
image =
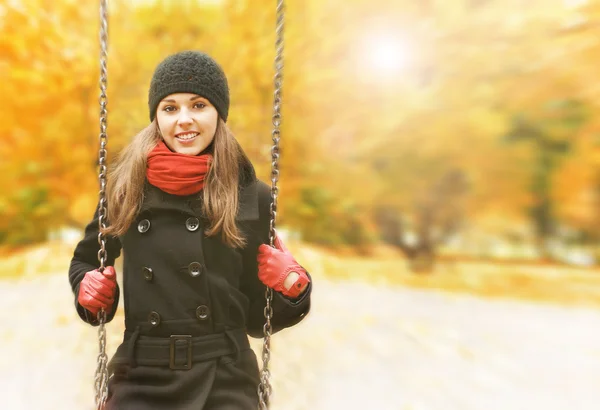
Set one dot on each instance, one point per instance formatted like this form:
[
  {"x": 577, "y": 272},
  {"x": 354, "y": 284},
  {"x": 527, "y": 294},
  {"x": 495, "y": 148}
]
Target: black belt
[{"x": 179, "y": 351}]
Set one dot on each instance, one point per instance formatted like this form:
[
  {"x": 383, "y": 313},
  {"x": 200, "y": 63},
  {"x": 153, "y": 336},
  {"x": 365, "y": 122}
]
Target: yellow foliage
[{"x": 365, "y": 134}]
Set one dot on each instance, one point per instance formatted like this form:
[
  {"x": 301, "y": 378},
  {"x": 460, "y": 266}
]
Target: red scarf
[{"x": 175, "y": 173}]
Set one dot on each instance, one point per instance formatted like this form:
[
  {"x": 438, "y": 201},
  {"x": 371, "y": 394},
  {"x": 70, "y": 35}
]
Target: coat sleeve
[
  {"x": 85, "y": 259},
  {"x": 286, "y": 311}
]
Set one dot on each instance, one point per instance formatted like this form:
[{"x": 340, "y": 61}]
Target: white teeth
[{"x": 187, "y": 136}]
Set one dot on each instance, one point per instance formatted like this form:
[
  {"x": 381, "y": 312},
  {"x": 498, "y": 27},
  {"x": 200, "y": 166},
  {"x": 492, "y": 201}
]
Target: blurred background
[{"x": 440, "y": 179}]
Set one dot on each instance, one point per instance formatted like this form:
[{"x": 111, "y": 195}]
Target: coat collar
[{"x": 155, "y": 199}]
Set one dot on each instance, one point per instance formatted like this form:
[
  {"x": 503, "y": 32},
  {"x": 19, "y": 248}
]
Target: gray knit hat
[{"x": 190, "y": 72}]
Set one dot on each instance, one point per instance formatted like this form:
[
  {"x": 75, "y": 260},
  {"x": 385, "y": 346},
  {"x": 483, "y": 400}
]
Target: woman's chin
[{"x": 186, "y": 150}]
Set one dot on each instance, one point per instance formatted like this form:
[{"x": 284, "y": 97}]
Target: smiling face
[{"x": 187, "y": 122}]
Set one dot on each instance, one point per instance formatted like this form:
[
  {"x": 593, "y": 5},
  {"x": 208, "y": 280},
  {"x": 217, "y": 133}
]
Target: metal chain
[
  {"x": 264, "y": 388},
  {"x": 101, "y": 376}
]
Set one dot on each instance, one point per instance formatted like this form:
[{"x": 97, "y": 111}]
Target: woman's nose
[{"x": 184, "y": 117}]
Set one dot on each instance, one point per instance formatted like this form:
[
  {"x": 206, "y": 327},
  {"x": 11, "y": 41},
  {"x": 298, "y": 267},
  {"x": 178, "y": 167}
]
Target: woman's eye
[
  {"x": 168, "y": 108},
  {"x": 200, "y": 105}
]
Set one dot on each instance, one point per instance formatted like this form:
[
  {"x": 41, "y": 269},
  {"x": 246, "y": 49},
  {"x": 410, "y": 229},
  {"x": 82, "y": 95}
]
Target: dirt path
[{"x": 362, "y": 347}]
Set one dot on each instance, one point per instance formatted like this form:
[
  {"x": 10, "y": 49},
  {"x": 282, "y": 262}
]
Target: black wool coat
[{"x": 178, "y": 281}]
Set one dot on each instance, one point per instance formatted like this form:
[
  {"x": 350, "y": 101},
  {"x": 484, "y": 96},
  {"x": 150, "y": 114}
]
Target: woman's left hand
[{"x": 274, "y": 266}]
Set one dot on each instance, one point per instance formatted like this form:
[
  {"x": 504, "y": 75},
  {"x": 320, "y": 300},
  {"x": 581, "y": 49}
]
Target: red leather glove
[
  {"x": 97, "y": 290},
  {"x": 275, "y": 264}
]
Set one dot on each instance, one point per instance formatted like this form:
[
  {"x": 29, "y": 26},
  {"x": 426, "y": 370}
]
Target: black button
[
  {"x": 195, "y": 269},
  {"x": 143, "y": 226},
  {"x": 192, "y": 224},
  {"x": 148, "y": 274},
  {"x": 154, "y": 318},
  {"x": 202, "y": 312}
]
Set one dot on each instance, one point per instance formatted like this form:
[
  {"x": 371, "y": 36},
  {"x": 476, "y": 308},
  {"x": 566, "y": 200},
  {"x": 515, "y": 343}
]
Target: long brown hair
[{"x": 125, "y": 183}]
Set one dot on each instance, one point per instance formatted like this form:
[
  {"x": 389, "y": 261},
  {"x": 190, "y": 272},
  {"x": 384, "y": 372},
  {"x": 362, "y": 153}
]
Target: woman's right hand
[{"x": 97, "y": 290}]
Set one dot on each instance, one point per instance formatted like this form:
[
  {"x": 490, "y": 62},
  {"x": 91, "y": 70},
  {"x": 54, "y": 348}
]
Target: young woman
[{"x": 192, "y": 220}]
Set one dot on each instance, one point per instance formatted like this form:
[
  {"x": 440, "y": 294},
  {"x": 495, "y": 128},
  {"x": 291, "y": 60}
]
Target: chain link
[
  {"x": 265, "y": 388},
  {"x": 101, "y": 376}
]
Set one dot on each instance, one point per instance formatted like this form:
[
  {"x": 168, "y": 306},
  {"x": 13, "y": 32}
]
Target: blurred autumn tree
[
  {"x": 360, "y": 145},
  {"x": 46, "y": 119},
  {"x": 551, "y": 140},
  {"x": 459, "y": 100}
]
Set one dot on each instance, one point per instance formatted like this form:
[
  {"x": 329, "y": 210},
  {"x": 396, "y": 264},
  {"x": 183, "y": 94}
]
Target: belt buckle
[{"x": 172, "y": 347}]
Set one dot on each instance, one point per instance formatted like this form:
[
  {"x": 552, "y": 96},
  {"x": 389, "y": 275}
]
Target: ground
[{"x": 364, "y": 346}]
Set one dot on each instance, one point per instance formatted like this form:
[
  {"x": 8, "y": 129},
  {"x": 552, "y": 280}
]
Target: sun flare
[{"x": 388, "y": 53}]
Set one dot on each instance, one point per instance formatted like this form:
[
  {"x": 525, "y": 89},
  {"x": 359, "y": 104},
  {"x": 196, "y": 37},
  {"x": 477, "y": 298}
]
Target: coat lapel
[
  {"x": 248, "y": 203},
  {"x": 248, "y": 194}
]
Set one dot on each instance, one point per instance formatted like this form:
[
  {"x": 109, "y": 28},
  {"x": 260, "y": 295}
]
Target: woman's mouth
[{"x": 186, "y": 137}]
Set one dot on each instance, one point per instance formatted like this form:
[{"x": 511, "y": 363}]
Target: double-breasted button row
[
  {"x": 191, "y": 224},
  {"x": 202, "y": 313},
  {"x": 194, "y": 269}
]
